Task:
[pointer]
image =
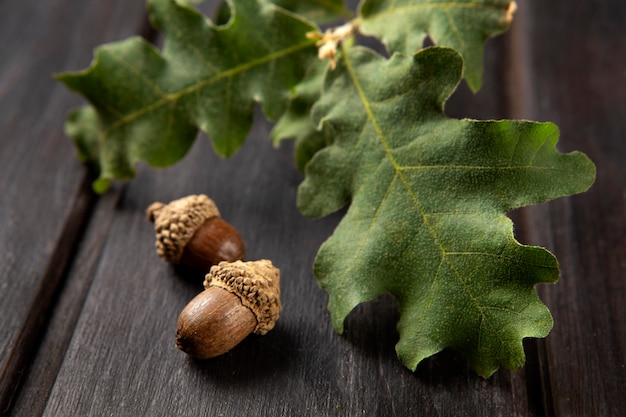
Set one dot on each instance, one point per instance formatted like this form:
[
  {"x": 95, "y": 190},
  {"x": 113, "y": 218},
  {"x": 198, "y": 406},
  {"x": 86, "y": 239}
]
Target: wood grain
[
  {"x": 44, "y": 203},
  {"x": 42, "y": 371},
  {"x": 88, "y": 311},
  {"x": 124, "y": 339},
  {"x": 569, "y": 72}
]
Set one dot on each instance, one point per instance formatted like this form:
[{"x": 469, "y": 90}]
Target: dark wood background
[{"x": 88, "y": 312}]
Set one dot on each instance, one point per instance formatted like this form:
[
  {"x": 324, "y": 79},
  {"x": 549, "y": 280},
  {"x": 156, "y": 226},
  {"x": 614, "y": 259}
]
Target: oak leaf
[
  {"x": 148, "y": 105},
  {"x": 428, "y": 197},
  {"x": 464, "y": 25}
]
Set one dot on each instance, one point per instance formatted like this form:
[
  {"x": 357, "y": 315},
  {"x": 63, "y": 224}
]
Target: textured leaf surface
[
  {"x": 428, "y": 197},
  {"x": 316, "y": 10},
  {"x": 296, "y": 123},
  {"x": 149, "y": 106},
  {"x": 463, "y": 25}
]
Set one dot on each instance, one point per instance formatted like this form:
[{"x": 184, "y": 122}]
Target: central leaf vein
[
  {"x": 172, "y": 97},
  {"x": 476, "y": 167},
  {"x": 400, "y": 175}
]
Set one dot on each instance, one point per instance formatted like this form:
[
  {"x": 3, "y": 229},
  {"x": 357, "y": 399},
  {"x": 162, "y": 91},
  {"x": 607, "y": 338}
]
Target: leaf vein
[
  {"x": 138, "y": 75},
  {"x": 200, "y": 85},
  {"x": 191, "y": 44},
  {"x": 366, "y": 235},
  {"x": 497, "y": 255},
  {"x": 476, "y": 167},
  {"x": 455, "y": 29},
  {"x": 431, "y": 5},
  {"x": 385, "y": 144}
]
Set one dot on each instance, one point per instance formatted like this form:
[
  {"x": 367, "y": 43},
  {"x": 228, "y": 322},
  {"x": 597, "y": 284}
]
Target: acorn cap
[
  {"x": 175, "y": 223},
  {"x": 256, "y": 283}
]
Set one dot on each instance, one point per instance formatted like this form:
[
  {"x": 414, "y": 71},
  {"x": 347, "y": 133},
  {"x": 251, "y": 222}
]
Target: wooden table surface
[{"x": 88, "y": 311}]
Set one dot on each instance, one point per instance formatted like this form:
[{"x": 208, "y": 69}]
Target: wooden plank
[
  {"x": 42, "y": 371},
  {"x": 122, "y": 359},
  {"x": 44, "y": 199},
  {"x": 571, "y": 71}
]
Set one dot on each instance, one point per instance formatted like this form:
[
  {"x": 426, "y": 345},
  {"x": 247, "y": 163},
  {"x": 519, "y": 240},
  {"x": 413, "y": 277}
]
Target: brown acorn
[
  {"x": 190, "y": 231},
  {"x": 239, "y": 298}
]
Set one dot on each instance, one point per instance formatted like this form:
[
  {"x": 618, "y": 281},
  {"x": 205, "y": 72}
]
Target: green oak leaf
[
  {"x": 428, "y": 199},
  {"x": 148, "y": 106},
  {"x": 319, "y": 11},
  {"x": 296, "y": 122},
  {"x": 190, "y": 2},
  {"x": 463, "y": 25}
]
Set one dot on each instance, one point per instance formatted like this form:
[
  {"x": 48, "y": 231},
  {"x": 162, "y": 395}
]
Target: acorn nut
[
  {"x": 239, "y": 298},
  {"x": 190, "y": 231}
]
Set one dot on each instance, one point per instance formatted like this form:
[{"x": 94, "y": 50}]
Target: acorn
[
  {"x": 239, "y": 298},
  {"x": 190, "y": 231}
]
